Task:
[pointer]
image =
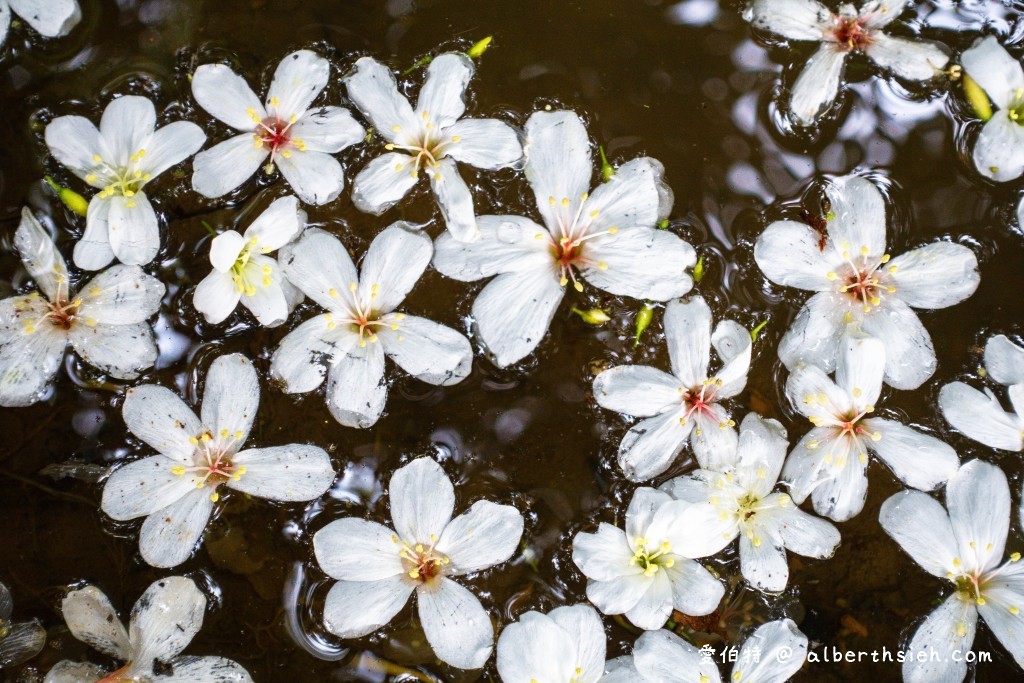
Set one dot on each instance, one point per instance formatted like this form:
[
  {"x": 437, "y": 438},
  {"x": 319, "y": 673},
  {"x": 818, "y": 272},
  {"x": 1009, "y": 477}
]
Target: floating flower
[
  {"x": 378, "y": 569},
  {"x": 642, "y": 571},
  {"x": 566, "y": 645},
  {"x": 243, "y": 271},
  {"x": 830, "y": 462},
  {"x": 120, "y": 158},
  {"x": 361, "y": 326},
  {"x": 105, "y": 322},
  {"x": 772, "y": 654},
  {"x": 739, "y": 500},
  {"x": 607, "y": 238},
  {"x": 686, "y": 404},
  {"x": 851, "y": 30},
  {"x": 431, "y": 138},
  {"x": 48, "y": 18},
  {"x": 296, "y": 139},
  {"x": 963, "y": 546},
  {"x": 163, "y": 622},
  {"x": 23, "y": 640},
  {"x": 176, "y": 490},
  {"x": 842, "y": 258},
  {"x": 999, "y": 150},
  {"x": 979, "y": 415}
]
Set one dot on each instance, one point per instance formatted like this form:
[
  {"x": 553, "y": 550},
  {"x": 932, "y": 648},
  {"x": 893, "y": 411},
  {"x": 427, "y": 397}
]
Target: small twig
[{"x": 43, "y": 487}]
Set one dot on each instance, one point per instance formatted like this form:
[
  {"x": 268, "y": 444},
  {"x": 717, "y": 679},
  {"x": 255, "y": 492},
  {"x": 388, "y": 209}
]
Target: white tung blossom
[
  {"x": 120, "y": 158},
  {"x": 606, "y": 238},
  {"x": 285, "y": 132},
  {"x": 850, "y": 30},
  {"x": 686, "y": 404},
  {"x": 999, "y": 149},
  {"x": 858, "y": 287},
  {"x": 739, "y": 501},
  {"x": 23, "y": 640},
  {"x": 378, "y": 568},
  {"x": 643, "y": 571},
  {"x": 963, "y": 544},
  {"x": 163, "y": 622},
  {"x": 244, "y": 272},
  {"x": 431, "y": 138},
  {"x": 566, "y": 645},
  {"x": 830, "y": 461},
  {"x": 176, "y": 490},
  {"x": 105, "y": 322},
  {"x": 361, "y": 325},
  {"x": 48, "y": 18},
  {"x": 772, "y": 654},
  {"x": 979, "y": 415}
]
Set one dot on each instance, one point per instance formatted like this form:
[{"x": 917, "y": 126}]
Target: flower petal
[
  {"x": 636, "y": 196},
  {"x": 655, "y": 605},
  {"x": 133, "y": 229},
  {"x": 298, "y": 79},
  {"x": 489, "y": 144},
  {"x": 75, "y": 141},
  {"x": 780, "y": 648},
  {"x": 442, "y": 98},
  {"x": 25, "y": 640},
  {"x": 922, "y": 528},
  {"x": 688, "y": 336},
  {"x": 456, "y": 625},
  {"x": 266, "y": 300},
  {"x": 293, "y": 473},
  {"x": 858, "y": 215},
  {"x": 978, "y": 500},
  {"x": 315, "y": 176},
  {"x": 706, "y": 532},
  {"x": 513, "y": 313},
  {"x": 142, "y": 487},
  {"x": 122, "y": 351},
  {"x": 644, "y": 263},
  {"x": 279, "y": 224},
  {"x": 352, "y": 549},
  {"x": 796, "y": 19},
  {"x": 949, "y": 628},
  {"x": 818, "y": 84},
  {"x": 909, "y": 355},
  {"x": 226, "y": 96},
  {"x": 788, "y": 253},
  {"x": 1004, "y": 360},
  {"x": 915, "y": 60},
  {"x": 761, "y": 451},
  {"x": 171, "y": 145},
  {"x": 652, "y": 445},
  {"x": 483, "y": 536},
  {"x": 994, "y": 69},
  {"x": 231, "y": 396},
  {"x": 637, "y": 390},
  {"x": 583, "y": 623},
  {"x": 393, "y": 264},
  {"x": 506, "y": 244},
  {"x": 384, "y": 182},
  {"x": 558, "y": 163},
  {"x": 917, "y": 271},
  {"x": 763, "y": 563},
  {"x": 455, "y": 200},
  {"x": 67, "y": 671},
  {"x": 356, "y": 387},
  {"x": 1004, "y": 593},
  {"x": 859, "y": 369},
  {"x": 328, "y": 129},
  {"x": 28, "y": 362},
  {"x": 216, "y": 296},
  {"x": 372, "y": 87},
  {"x": 156, "y": 415},
  {"x": 320, "y": 266},
  {"x": 40, "y": 256},
  {"x": 226, "y": 165},
  {"x": 802, "y": 533},
  {"x": 121, "y": 295},
  {"x": 663, "y": 657},
  {"x": 93, "y": 620},
  {"x": 842, "y": 489},
  {"x": 303, "y": 356},
  {"x": 422, "y": 501},
  {"x": 127, "y": 124},
  {"x": 165, "y": 620},
  {"x": 811, "y": 391},
  {"x": 813, "y": 338},
  {"x": 621, "y": 594},
  {"x": 537, "y": 648},
  {"x": 917, "y": 459},
  {"x": 603, "y": 555},
  {"x": 695, "y": 591},
  {"x": 999, "y": 148},
  {"x": 192, "y": 669},
  {"x": 169, "y": 536},
  {"x": 428, "y": 351},
  {"x": 50, "y": 18},
  {"x": 980, "y": 417},
  {"x": 355, "y": 608},
  {"x": 92, "y": 251}
]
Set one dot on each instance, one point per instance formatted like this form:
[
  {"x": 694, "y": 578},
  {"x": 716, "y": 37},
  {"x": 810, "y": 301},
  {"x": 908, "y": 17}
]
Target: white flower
[
  {"x": 965, "y": 547},
  {"x": 856, "y": 282},
  {"x": 163, "y": 622},
  {"x": 242, "y": 270},
  {"x": 432, "y": 138},
  {"x": 772, "y": 654},
  {"x": 297, "y": 139},
  {"x": 361, "y": 326},
  {"x": 23, "y": 640},
  {"x": 979, "y": 415},
  {"x": 378, "y": 569},
  {"x": 120, "y": 158},
  {"x": 566, "y": 645},
  {"x": 840, "y": 34},
  {"x": 686, "y": 402},
  {"x": 830, "y": 461},
  {"x": 105, "y": 323},
  {"x": 606, "y": 237},
  {"x": 176, "y": 490},
  {"x": 49, "y": 18},
  {"x": 739, "y": 501},
  {"x": 642, "y": 572},
  {"x": 999, "y": 149}
]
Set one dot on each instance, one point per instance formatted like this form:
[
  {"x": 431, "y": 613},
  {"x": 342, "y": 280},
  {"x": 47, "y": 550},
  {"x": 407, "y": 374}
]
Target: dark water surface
[{"x": 685, "y": 83}]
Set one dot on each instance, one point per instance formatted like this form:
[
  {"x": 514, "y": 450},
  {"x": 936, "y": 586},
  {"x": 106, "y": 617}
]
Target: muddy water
[{"x": 686, "y": 83}]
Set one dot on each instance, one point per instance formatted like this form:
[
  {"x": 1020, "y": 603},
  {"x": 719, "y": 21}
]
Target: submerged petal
[
  {"x": 915, "y": 60},
  {"x": 818, "y": 84},
  {"x": 165, "y": 620}
]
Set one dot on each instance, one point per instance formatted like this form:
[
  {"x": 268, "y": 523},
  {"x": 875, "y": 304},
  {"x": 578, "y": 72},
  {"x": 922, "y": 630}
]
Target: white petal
[
  {"x": 1004, "y": 360},
  {"x": 393, "y": 264},
  {"x": 636, "y": 390},
  {"x": 328, "y": 129},
  {"x": 93, "y": 620},
  {"x": 50, "y": 18},
  {"x": 28, "y": 363},
  {"x": 226, "y": 96},
  {"x": 302, "y": 357},
  {"x": 994, "y": 69},
  {"x": 536, "y": 648},
  {"x": 489, "y": 144},
  {"x": 456, "y": 625},
  {"x": 761, "y": 451},
  {"x": 422, "y": 501},
  {"x": 40, "y": 256},
  {"x": 127, "y": 124},
  {"x": 917, "y": 459},
  {"x": 858, "y": 219},
  {"x": 922, "y": 528},
  {"x": 216, "y": 296},
  {"x": 712, "y": 440},
  {"x": 688, "y": 335},
  {"x": 352, "y": 549},
  {"x": 455, "y": 200},
  {"x": 644, "y": 263},
  {"x": 93, "y": 251},
  {"x": 133, "y": 229},
  {"x": 156, "y": 415},
  {"x": 513, "y": 313},
  {"x": 558, "y": 161},
  {"x": 734, "y": 346},
  {"x": 356, "y": 387},
  {"x": 804, "y": 466},
  {"x": 788, "y": 253},
  {"x": 780, "y": 652},
  {"x": 169, "y": 536},
  {"x": 1004, "y": 593},
  {"x": 909, "y": 355},
  {"x": 586, "y": 630},
  {"x": 663, "y": 657},
  {"x": 859, "y": 369},
  {"x": 121, "y": 295},
  {"x": 636, "y": 196},
  {"x": 293, "y": 473},
  {"x": 384, "y": 182},
  {"x": 428, "y": 351},
  {"x": 918, "y": 270},
  {"x": 695, "y": 591},
  {"x": 122, "y": 351},
  {"x": 485, "y": 535},
  {"x": 298, "y": 79},
  {"x": 231, "y": 396},
  {"x": 372, "y": 87},
  {"x": 25, "y": 640},
  {"x": 278, "y": 225},
  {"x": 623, "y": 593},
  {"x": 267, "y": 302},
  {"x": 842, "y": 490},
  {"x": 655, "y": 605},
  {"x": 978, "y": 500},
  {"x": 67, "y": 671},
  {"x": 441, "y": 99},
  {"x": 171, "y": 145},
  {"x": 980, "y": 417},
  {"x": 74, "y": 141},
  {"x": 649, "y": 515},
  {"x": 320, "y": 266},
  {"x": 915, "y": 60},
  {"x": 706, "y": 531},
  {"x": 315, "y": 176},
  {"x": 813, "y": 338},
  {"x": 206, "y": 670},
  {"x": 165, "y": 620},
  {"x": 225, "y": 249},
  {"x": 802, "y": 533},
  {"x": 652, "y": 445},
  {"x": 144, "y": 486},
  {"x": 818, "y": 84},
  {"x": 355, "y": 608},
  {"x": 796, "y": 19},
  {"x": 999, "y": 149},
  {"x": 763, "y": 563},
  {"x": 226, "y": 165},
  {"x": 949, "y": 628},
  {"x": 506, "y": 244},
  {"x": 603, "y": 555}
]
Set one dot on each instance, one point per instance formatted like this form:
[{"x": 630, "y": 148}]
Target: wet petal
[
  {"x": 384, "y": 182},
  {"x": 662, "y": 656},
  {"x": 92, "y": 251},
  {"x": 506, "y": 244},
  {"x": 536, "y": 648},
  {"x": 763, "y": 563},
  {"x": 40, "y": 256},
  {"x": 372, "y": 87},
  {"x": 455, "y": 200},
  {"x": 231, "y": 397},
  {"x": 813, "y": 338},
  {"x": 303, "y": 356},
  {"x": 28, "y": 362},
  {"x": 226, "y": 165},
  {"x": 586, "y": 630},
  {"x": 165, "y": 620},
  {"x": 1004, "y": 360},
  {"x": 796, "y": 19},
  {"x": 226, "y": 96},
  {"x": 780, "y": 652},
  {"x": 142, "y": 487},
  {"x": 315, "y": 176},
  {"x": 513, "y": 313},
  {"x": 75, "y": 141},
  {"x": 441, "y": 99},
  {"x": 156, "y": 415},
  {"x": 922, "y": 528},
  {"x": 688, "y": 335},
  {"x": 918, "y": 271},
  {"x": 858, "y": 215},
  {"x": 489, "y": 144},
  {"x": 1004, "y": 595},
  {"x": 24, "y": 641},
  {"x": 206, "y": 670},
  {"x": 859, "y": 369},
  {"x": 320, "y": 266},
  {"x": 293, "y": 473},
  {"x": 915, "y": 60},
  {"x": 788, "y": 253},
  {"x": 654, "y": 607},
  {"x": 603, "y": 555},
  {"x": 621, "y": 594},
  {"x": 216, "y": 297},
  {"x": 761, "y": 451},
  {"x": 999, "y": 149},
  {"x": 949, "y": 628},
  {"x": 811, "y": 391},
  {"x": 456, "y": 625},
  {"x": 652, "y": 445},
  {"x": 428, "y": 351},
  {"x": 483, "y": 536},
  {"x": 50, "y": 18},
  {"x": 422, "y": 501},
  {"x": 169, "y": 535},
  {"x": 917, "y": 459},
  {"x": 636, "y": 390},
  {"x": 171, "y": 145},
  {"x": 840, "y": 495},
  {"x": 636, "y": 196},
  {"x": 67, "y": 671},
  {"x": 298, "y": 79},
  {"x": 393, "y": 264},
  {"x": 354, "y": 549},
  {"x": 278, "y": 225},
  {"x": 93, "y": 620},
  {"x": 695, "y": 591},
  {"x": 978, "y": 500},
  {"x": 133, "y": 229},
  {"x": 994, "y": 69},
  {"x": 706, "y": 530},
  {"x": 267, "y": 302},
  {"x": 802, "y": 533},
  {"x": 643, "y": 263},
  {"x": 355, "y": 608},
  {"x": 818, "y": 84},
  {"x": 558, "y": 163},
  {"x": 127, "y": 124},
  {"x": 909, "y": 355},
  {"x": 121, "y": 295},
  {"x": 122, "y": 351},
  {"x": 328, "y": 129},
  {"x": 356, "y": 387}
]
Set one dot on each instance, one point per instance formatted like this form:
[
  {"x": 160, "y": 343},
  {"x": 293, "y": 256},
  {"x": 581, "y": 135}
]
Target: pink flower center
[{"x": 851, "y": 33}]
